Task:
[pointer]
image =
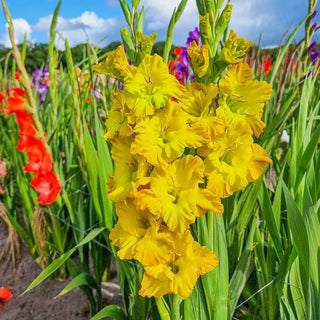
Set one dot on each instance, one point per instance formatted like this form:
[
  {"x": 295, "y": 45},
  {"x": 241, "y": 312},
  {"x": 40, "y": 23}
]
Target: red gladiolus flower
[
  {"x": 47, "y": 184},
  {"x": 5, "y": 295},
  {"x": 177, "y": 51},
  {"x": 267, "y": 67},
  {"x": 40, "y": 163},
  {"x": 39, "y": 158}
]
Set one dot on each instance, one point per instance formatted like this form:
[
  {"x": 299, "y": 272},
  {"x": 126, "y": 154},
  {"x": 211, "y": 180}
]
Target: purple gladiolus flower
[
  {"x": 312, "y": 45},
  {"x": 193, "y": 35},
  {"x": 40, "y": 81},
  {"x": 314, "y": 14},
  {"x": 314, "y": 26},
  {"x": 314, "y": 56},
  {"x": 96, "y": 94},
  {"x": 310, "y": 73}
]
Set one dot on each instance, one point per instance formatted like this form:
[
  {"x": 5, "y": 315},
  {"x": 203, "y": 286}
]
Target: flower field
[{"x": 192, "y": 170}]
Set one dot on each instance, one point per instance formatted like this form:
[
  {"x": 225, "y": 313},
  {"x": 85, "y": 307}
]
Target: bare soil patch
[{"x": 39, "y": 303}]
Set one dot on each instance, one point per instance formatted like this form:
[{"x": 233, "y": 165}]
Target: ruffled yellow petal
[
  {"x": 116, "y": 65},
  {"x": 234, "y": 49},
  {"x": 207, "y": 200},
  {"x": 180, "y": 274},
  {"x": 128, "y": 169},
  {"x": 155, "y": 247},
  {"x": 155, "y": 286},
  {"x": 117, "y": 121},
  {"x": 139, "y": 236},
  {"x": 257, "y": 163},
  {"x": 227, "y": 161},
  {"x": 201, "y": 107},
  {"x": 241, "y": 98},
  {"x": 125, "y": 241},
  {"x": 151, "y": 87},
  {"x": 163, "y": 138},
  {"x": 173, "y": 192}
]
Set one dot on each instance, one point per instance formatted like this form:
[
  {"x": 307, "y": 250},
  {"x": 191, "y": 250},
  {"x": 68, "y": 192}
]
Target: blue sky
[{"x": 103, "y": 18}]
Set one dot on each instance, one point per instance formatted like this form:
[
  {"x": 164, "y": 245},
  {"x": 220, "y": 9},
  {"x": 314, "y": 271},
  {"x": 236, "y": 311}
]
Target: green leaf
[
  {"x": 305, "y": 160},
  {"x": 271, "y": 223},
  {"x": 240, "y": 274},
  {"x": 174, "y": 19},
  {"x": 113, "y": 311},
  {"x": 55, "y": 19},
  {"x": 82, "y": 279},
  {"x": 126, "y": 10},
  {"x": 299, "y": 236},
  {"x": 55, "y": 265}
]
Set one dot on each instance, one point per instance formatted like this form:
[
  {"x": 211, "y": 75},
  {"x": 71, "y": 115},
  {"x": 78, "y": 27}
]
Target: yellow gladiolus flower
[
  {"x": 117, "y": 121},
  {"x": 234, "y": 49},
  {"x": 139, "y": 236},
  {"x": 233, "y": 160},
  {"x": 151, "y": 87},
  {"x": 129, "y": 169},
  {"x": 201, "y": 106},
  {"x": 173, "y": 193},
  {"x": 241, "y": 98},
  {"x": 116, "y": 65},
  {"x": 163, "y": 137},
  {"x": 178, "y": 275}
]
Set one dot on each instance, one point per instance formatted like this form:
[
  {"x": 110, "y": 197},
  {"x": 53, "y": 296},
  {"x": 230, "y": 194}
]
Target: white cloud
[
  {"x": 21, "y": 27},
  {"x": 249, "y": 18},
  {"x": 157, "y": 18},
  {"x": 78, "y": 30}
]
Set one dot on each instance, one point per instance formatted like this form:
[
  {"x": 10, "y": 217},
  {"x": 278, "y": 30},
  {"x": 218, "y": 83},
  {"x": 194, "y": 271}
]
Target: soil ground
[{"x": 39, "y": 303}]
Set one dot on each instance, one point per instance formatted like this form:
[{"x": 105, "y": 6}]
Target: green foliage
[{"x": 268, "y": 237}]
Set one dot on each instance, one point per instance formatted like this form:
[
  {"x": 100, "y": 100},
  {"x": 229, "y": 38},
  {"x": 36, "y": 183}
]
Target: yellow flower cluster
[{"x": 177, "y": 151}]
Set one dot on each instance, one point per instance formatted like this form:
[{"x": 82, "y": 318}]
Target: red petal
[
  {"x": 5, "y": 294},
  {"x": 48, "y": 186}
]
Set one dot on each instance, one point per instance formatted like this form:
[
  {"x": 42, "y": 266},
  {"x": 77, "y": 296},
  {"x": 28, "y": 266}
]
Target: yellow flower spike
[
  {"x": 234, "y": 49},
  {"x": 241, "y": 98},
  {"x": 151, "y": 87},
  {"x": 179, "y": 275},
  {"x": 117, "y": 121},
  {"x": 139, "y": 236},
  {"x": 201, "y": 106},
  {"x": 128, "y": 169},
  {"x": 116, "y": 65},
  {"x": 145, "y": 44},
  {"x": 205, "y": 27},
  {"x": 199, "y": 60},
  {"x": 173, "y": 192},
  {"x": 163, "y": 137},
  {"x": 233, "y": 160}
]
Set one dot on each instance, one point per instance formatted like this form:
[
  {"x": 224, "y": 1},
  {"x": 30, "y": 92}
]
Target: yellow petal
[{"x": 116, "y": 65}]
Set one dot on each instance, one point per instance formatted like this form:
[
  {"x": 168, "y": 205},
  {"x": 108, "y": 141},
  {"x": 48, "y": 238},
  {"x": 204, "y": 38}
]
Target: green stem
[{"x": 175, "y": 312}]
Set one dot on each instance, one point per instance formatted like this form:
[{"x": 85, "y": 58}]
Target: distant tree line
[{"x": 37, "y": 54}]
